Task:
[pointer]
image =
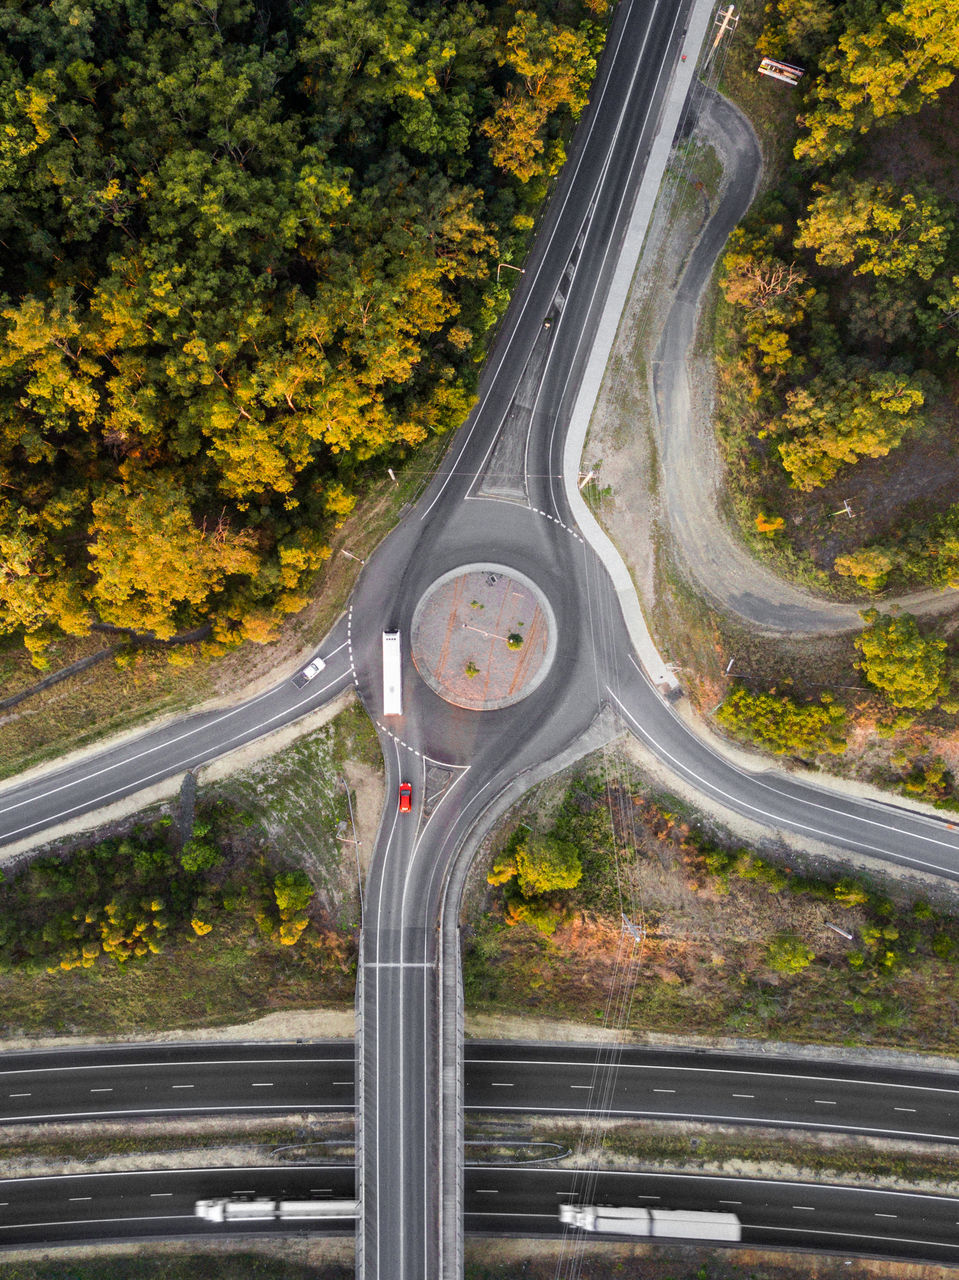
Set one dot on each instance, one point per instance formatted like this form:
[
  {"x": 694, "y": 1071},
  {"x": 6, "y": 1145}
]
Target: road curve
[{"x": 710, "y": 551}]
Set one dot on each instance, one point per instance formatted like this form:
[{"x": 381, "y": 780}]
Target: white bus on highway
[{"x": 392, "y": 675}]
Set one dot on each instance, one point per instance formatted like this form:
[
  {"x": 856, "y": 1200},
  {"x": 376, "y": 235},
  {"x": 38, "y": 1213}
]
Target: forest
[
  {"x": 247, "y": 254},
  {"x": 839, "y": 309}
]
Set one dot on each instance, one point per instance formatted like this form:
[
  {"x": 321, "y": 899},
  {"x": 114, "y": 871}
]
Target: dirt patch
[{"x": 701, "y": 954}]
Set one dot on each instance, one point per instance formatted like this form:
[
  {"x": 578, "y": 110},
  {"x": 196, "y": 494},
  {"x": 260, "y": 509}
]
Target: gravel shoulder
[{"x": 652, "y": 427}]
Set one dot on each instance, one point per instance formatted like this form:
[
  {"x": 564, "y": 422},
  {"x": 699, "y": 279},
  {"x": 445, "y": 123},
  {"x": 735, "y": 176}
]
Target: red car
[{"x": 406, "y": 797}]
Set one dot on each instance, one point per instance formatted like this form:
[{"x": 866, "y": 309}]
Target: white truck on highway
[
  {"x": 675, "y": 1224},
  {"x": 244, "y": 1210}
]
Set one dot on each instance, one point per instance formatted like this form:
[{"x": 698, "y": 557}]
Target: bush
[{"x": 783, "y": 726}]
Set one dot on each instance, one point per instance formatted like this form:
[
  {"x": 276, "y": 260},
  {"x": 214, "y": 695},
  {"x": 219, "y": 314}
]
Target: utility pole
[
  {"x": 729, "y": 21},
  {"x": 636, "y": 931}
]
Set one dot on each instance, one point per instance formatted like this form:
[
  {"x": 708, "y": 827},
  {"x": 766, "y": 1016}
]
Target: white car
[{"x": 306, "y": 675}]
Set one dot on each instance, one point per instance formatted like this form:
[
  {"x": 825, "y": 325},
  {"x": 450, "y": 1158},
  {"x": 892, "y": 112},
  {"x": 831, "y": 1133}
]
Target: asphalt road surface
[
  {"x": 500, "y": 498},
  {"x": 88, "y": 1208},
  {"x": 501, "y": 1078}
]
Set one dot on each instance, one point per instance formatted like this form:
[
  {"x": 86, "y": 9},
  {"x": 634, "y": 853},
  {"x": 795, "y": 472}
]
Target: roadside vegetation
[
  {"x": 179, "y": 1262},
  {"x": 835, "y": 330},
  {"x": 252, "y": 908},
  {"x": 248, "y": 259},
  {"x": 622, "y": 1260},
  {"x": 736, "y": 942}
]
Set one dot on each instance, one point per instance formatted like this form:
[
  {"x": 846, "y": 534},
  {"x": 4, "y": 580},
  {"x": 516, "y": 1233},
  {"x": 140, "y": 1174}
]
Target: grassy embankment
[
  {"x": 219, "y": 928},
  {"x": 736, "y": 945}
]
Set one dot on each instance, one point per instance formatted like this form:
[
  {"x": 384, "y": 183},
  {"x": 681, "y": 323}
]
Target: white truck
[
  {"x": 244, "y": 1210},
  {"x": 675, "y": 1224},
  {"x": 392, "y": 674}
]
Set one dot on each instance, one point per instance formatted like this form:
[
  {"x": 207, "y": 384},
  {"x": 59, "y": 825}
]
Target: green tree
[
  {"x": 891, "y": 62},
  {"x": 541, "y": 864},
  {"x": 830, "y": 423},
  {"x": 876, "y": 228},
  {"x": 897, "y": 659}
]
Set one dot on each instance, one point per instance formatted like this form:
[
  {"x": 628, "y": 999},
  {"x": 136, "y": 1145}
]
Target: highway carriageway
[
  {"x": 140, "y": 1080},
  {"x": 499, "y": 1200}
]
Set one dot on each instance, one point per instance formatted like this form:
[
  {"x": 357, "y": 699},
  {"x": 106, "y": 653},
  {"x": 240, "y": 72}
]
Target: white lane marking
[
  {"x": 486, "y": 1191},
  {"x": 101, "y": 1090},
  {"x": 664, "y": 1091},
  {"x": 912, "y": 1109},
  {"x": 885, "y": 1215},
  {"x": 581, "y": 1086},
  {"x": 719, "y": 1118},
  {"x": 764, "y": 1076},
  {"x": 777, "y": 819},
  {"x": 160, "y": 1195},
  {"x": 183, "y": 1086},
  {"x": 179, "y": 1111},
  {"x": 342, "y": 1084},
  {"x": 501, "y": 1084},
  {"x": 171, "y": 1175},
  {"x": 202, "y": 1062},
  {"x": 860, "y": 1235},
  {"x": 261, "y": 1084},
  {"x": 20, "y": 1095},
  {"x": 808, "y": 1208},
  {"x": 247, "y": 734},
  {"x": 730, "y": 1201},
  {"x": 595, "y": 116},
  {"x": 823, "y": 1102},
  {"x": 744, "y": 1095},
  {"x": 92, "y": 1222},
  {"x": 72, "y": 1199}
]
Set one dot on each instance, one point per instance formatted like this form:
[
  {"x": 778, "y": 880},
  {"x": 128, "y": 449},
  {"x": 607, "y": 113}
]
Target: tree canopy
[
  {"x": 907, "y": 667},
  {"x": 243, "y": 251},
  {"x": 890, "y": 61}
]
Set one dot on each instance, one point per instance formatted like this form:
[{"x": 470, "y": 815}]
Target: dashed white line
[
  {"x": 744, "y": 1095},
  {"x": 184, "y": 1086},
  {"x": 823, "y": 1102},
  {"x": 807, "y": 1208}
]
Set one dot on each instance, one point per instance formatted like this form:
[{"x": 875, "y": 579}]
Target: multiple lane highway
[
  {"x": 499, "y": 1200},
  {"x": 501, "y": 1078},
  {"x": 501, "y": 497}
]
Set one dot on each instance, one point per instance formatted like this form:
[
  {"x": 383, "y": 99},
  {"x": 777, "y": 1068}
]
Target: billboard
[{"x": 780, "y": 71}]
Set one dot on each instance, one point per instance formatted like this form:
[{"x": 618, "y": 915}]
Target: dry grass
[
  {"x": 539, "y": 1260},
  {"x": 703, "y": 969}
]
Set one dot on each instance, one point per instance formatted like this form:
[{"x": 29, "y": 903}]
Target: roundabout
[{"x": 483, "y": 636}]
